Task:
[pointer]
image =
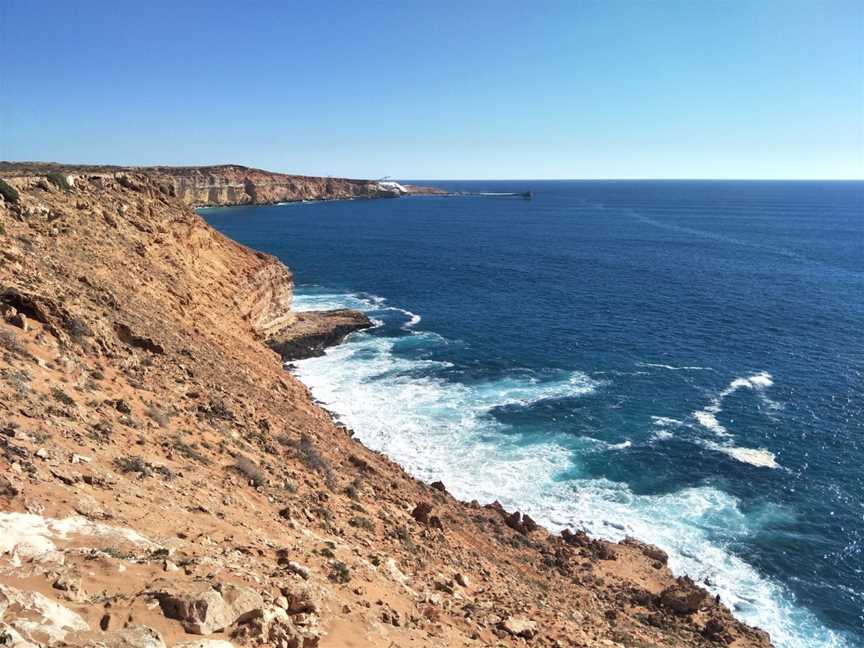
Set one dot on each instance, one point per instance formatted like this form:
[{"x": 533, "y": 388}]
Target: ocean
[{"x": 677, "y": 361}]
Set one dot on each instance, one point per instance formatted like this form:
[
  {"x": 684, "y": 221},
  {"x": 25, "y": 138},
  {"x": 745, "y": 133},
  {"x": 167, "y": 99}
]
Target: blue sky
[{"x": 607, "y": 89}]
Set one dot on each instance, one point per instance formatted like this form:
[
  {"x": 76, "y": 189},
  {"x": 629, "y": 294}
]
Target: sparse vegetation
[
  {"x": 59, "y": 180},
  {"x": 9, "y": 193},
  {"x": 136, "y": 464},
  {"x": 19, "y": 380},
  {"x": 158, "y": 415},
  {"x": 102, "y": 431},
  {"x": 78, "y": 329},
  {"x": 250, "y": 470},
  {"x": 404, "y": 535},
  {"x": 361, "y": 522},
  {"x": 10, "y": 342},
  {"x": 339, "y": 572},
  {"x": 114, "y": 552},
  {"x": 133, "y": 464},
  {"x": 190, "y": 451},
  {"x": 354, "y": 488},
  {"x": 312, "y": 459},
  {"x": 62, "y": 396}
]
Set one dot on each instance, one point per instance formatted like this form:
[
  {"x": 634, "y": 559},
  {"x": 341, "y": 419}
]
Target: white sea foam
[
  {"x": 439, "y": 429},
  {"x": 707, "y": 417},
  {"x": 754, "y": 456},
  {"x": 620, "y": 446},
  {"x": 672, "y": 368}
]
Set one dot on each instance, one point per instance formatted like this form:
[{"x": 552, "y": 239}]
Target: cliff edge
[
  {"x": 228, "y": 184},
  {"x": 164, "y": 481}
]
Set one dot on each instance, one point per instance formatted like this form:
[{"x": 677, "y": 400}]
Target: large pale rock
[
  {"x": 204, "y": 610},
  {"x": 38, "y": 619},
  {"x": 519, "y": 627}
]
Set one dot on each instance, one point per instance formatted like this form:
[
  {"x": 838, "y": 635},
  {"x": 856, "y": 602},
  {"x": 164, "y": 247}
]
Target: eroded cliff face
[
  {"x": 165, "y": 482},
  {"x": 223, "y": 185},
  {"x": 238, "y": 185}
]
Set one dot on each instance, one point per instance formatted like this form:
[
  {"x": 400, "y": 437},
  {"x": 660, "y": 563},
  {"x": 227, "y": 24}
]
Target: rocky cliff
[
  {"x": 229, "y": 184},
  {"x": 165, "y": 482}
]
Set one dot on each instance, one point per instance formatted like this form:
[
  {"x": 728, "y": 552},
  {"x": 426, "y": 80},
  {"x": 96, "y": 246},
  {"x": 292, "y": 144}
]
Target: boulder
[
  {"x": 204, "y": 610},
  {"x": 422, "y": 512},
  {"x": 137, "y": 636},
  {"x": 301, "y": 598},
  {"x": 651, "y": 551},
  {"x": 683, "y": 597},
  {"x": 519, "y": 627},
  {"x": 275, "y": 628}
]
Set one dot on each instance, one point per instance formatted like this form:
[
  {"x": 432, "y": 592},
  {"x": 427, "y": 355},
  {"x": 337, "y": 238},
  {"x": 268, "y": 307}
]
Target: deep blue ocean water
[{"x": 678, "y": 361}]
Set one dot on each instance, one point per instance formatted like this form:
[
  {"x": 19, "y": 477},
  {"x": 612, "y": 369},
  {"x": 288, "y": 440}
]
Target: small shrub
[
  {"x": 327, "y": 552},
  {"x": 78, "y": 329},
  {"x": 190, "y": 451},
  {"x": 312, "y": 459},
  {"x": 59, "y": 181},
  {"x": 402, "y": 533},
  {"x": 353, "y": 489},
  {"x": 116, "y": 553},
  {"x": 252, "y": 472},
  {"x": 158, "y": 415},
  {"x": 339, "y": 572},
  {"x": 133, "y": 464},
  {"x": 19, "y": 380},
  {"x": 10, "y": 342},
  {"x": 102, "y": 431},
  {"x": 361, "y": 522},
  {"x": 9, "y": 193},
  {"x": 2, "y": 229},
  {"x": 62, "y": 396}
]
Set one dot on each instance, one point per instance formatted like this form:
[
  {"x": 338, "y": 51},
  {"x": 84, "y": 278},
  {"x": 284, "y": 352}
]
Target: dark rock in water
[
  {"x": 439, "y": 486},
  {"x": 314, "y": 331}
]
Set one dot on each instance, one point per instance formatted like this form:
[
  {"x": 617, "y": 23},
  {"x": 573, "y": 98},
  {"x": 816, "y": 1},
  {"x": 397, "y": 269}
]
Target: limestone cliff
[
  {"x": 164, "y": 481},
  {"x": 228, "y": 184}
]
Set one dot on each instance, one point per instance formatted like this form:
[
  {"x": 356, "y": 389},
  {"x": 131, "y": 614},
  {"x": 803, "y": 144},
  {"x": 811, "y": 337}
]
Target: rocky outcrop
[{"x": 313, "y": 331}]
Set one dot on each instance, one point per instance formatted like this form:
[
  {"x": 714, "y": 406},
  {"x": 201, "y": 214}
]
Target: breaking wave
[{"x": 707, "y": 418}]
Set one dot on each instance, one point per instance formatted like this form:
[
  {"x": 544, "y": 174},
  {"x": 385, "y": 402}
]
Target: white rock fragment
[{"x": 37, "y": 618}]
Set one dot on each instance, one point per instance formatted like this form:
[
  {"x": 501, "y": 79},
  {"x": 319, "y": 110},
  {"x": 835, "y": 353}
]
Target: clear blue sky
[{"x": 606, "y": 89}]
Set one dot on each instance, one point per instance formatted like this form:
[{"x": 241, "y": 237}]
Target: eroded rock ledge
[
  {"x": 165, "y": 482},
  {"x": 314, "y": 331}
]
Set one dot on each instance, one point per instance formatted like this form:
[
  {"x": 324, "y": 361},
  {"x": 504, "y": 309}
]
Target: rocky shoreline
[{"x": 165, "y": 482}]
